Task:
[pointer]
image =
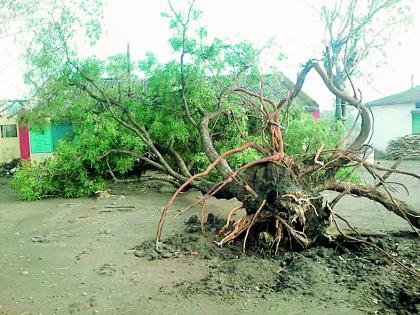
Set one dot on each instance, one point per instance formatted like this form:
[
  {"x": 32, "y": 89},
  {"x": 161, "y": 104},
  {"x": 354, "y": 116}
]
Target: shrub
[{"x": 63, "y": 176}]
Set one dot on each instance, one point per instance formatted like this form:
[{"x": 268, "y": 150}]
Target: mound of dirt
[
  {"x": 336, "y": 271},
  {"x": 189, "y": 243}
]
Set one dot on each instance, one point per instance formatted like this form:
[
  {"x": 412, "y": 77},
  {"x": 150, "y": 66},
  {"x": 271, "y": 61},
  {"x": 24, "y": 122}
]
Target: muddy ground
[{"x": 85, "y": 256}]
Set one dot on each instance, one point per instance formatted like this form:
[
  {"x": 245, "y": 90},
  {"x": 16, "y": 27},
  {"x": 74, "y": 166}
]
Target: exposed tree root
[
  {"x": 280, "y": 191},
  {"x": 253, "y": 221},
  {"x": 385, "y": 253}
]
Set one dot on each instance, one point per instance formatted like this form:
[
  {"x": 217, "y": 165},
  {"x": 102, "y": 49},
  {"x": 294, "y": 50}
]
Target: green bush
[
  {"x": 348, "y": 174},
  {"x": 63, "y": 176},
  {"x": 305, "y": 135}
]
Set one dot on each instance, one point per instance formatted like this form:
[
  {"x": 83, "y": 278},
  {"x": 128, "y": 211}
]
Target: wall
[
  {"x": 44, "y": 143},
  {"x": 390, "y": 122},
  {"x": 316, "y": 114},
  {"x": 9, "y": 147},
  {"x": 39, "y": 157}
]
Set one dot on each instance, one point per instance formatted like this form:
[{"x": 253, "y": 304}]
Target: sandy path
[{"x": 65, "y": 256}]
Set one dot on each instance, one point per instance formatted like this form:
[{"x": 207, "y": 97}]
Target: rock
[
  {"x": 107, "y": 270},
  {"x": 39, "y": 239},
  {"x": 107, "y": 231}
]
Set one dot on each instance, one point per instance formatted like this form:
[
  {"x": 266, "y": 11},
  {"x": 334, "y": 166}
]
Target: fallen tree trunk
[{"x": 399, "y": 207}]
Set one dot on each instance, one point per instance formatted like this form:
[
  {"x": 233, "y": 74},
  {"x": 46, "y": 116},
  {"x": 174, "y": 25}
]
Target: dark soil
[
  {"x": 323, "y": 272},
  {"x": 75, "y": 256}
]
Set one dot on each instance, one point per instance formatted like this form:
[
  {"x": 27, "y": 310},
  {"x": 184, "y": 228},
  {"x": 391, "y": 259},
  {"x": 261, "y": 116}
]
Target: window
[
  {"x": 415, "y": 123},
  {"x": 418, "y": 105},
  {"x": 8, "y": 131}
]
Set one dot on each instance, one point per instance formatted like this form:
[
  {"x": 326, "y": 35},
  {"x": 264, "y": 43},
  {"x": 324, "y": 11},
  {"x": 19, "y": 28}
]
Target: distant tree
[{"x": 354, "y": 31}]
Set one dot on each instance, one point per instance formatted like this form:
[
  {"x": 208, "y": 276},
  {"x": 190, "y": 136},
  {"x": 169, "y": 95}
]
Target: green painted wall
[
  {"x": 59, "y": 131},
  {"x": 416, "y": 122},
  {"x": 41, "y": 142}
]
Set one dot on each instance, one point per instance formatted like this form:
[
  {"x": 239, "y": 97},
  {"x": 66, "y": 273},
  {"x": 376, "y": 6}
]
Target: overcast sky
[{"x": 294, "y": 24}]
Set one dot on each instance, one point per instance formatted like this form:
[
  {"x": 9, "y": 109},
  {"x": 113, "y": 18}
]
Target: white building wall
[
  {"x": 390, "y": 122},
  {"x": 9, "y": 147}
]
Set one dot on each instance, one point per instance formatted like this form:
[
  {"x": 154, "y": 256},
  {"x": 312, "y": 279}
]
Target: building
[
  {"x": 10, "y": 133},
  {"x": 43, "y": 143},
  {"x": 22, "y": 141},
  {"x": 395, "y": 116},
  {"x": 277, "y": 86},
  {"x": 9, "y": 139},
  {"x": 18, "y": 140}
]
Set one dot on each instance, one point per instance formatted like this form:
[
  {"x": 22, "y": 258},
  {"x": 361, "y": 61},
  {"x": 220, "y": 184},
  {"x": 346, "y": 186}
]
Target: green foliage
[
  {"x": 305, "y": 135},
  {"x": 78, "y": 168},
  {"x": 153, "y": 97},
  {"x": 64, "y": 176},
  {"x": 347, "y": 174}
]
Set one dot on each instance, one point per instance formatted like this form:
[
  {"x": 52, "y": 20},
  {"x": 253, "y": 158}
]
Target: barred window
[{"x": 8, "y": 131}]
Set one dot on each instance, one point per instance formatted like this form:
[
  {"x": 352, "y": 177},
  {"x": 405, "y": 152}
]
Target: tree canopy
[{"x": 192, "y": 120}]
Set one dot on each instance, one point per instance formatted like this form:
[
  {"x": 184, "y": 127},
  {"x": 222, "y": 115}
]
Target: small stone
[
  {"x": 84, "y": 293},
  {"x": 107, "y": 231},
  {"x": 39, "y": 239}
]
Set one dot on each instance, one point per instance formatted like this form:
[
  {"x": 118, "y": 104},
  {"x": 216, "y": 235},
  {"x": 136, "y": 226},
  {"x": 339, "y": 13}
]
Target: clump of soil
[
  {"x": 336, "y": 271},
  {"x": 189, "y": 243}
]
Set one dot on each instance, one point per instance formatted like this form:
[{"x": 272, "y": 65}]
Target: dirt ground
[{"x": 84, "y": 256}]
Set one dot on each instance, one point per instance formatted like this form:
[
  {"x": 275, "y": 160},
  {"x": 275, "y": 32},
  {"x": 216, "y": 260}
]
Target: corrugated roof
[
  {"x": 277, "y": 87},
  {"x": 409, "y": 96},
  {"x": 11, "y": 107}
]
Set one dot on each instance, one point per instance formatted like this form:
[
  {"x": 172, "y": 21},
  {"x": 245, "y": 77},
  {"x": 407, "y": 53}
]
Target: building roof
[
  {"x": 277, "y": 87},
  {"x": 409, "y": 96},
  {"x": 10, "y": 108}
]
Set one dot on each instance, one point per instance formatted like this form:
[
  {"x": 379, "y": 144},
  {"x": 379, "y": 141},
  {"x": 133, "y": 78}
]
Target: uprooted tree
[{"x": 195, "y": 121}]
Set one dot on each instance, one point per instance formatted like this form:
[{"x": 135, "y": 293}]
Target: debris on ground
[{"x": 408, "y": 146}]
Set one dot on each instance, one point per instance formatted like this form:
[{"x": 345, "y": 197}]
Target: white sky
[{"x": 294, "y": 24}]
